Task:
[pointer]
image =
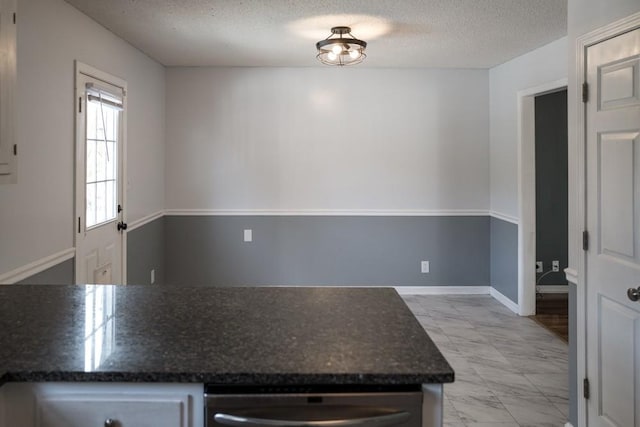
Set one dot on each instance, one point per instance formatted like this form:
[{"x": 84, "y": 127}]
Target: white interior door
[
  {"x": 99, "y": 189},
  {"x": 613, "y": 220}
]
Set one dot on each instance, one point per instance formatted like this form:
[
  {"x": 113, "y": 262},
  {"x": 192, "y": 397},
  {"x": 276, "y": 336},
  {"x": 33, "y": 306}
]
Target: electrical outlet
[
  {"x": 248, "y": 235},
  {"x": 539, "y": 268},
  {"x": 153, "y": 276},
  {"x": 555, "y": 265},
  {"x": 424, "y": 266}
]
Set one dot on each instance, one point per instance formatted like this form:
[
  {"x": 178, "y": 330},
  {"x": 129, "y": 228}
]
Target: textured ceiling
[{"x": 400, "y": 33}]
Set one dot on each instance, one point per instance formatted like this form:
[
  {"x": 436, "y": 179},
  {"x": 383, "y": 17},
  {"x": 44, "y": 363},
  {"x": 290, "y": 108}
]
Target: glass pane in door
[{"x": 101, "y": 163}]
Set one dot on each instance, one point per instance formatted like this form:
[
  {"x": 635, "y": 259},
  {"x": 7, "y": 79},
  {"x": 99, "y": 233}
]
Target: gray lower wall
[
  {"x": 145, "y": 252},
  {"x": 59, "y": 274},
  {"x": 504, "y": 257},
  {"x": 326, "y": 250},
  {"x": 573, "y": 355},
  {"x": 194, "y": 250}
]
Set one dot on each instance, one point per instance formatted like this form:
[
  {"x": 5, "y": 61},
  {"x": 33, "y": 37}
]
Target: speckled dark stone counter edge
[
  {"x": 208, "y": 378},
  {"x": 431, "y": 368}
]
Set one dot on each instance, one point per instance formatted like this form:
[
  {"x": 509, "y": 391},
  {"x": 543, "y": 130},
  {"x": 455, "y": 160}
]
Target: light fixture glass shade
[{"x": 341, "y": 48}]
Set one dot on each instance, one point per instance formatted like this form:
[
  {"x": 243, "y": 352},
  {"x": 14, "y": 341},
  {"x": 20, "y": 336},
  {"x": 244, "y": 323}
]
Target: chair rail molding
[
  {"x": 145, "y": 220},
  {"x": 37, "y": 266},
  {"x": 504, "y": 217},
  {"x": 326, "y": 212}
]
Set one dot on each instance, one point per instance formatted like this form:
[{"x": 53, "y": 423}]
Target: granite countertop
[{"x": 262, "y": 336}]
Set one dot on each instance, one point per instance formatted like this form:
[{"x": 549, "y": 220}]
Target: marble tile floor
[{"x": 510, "y": 371}]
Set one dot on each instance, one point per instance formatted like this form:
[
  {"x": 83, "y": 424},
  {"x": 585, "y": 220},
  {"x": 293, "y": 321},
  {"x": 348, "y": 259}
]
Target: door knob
[
  {"x": 110, "y": 423},
  {"x": 122, "y": 226},
  {"x": 634, "y": 293}
]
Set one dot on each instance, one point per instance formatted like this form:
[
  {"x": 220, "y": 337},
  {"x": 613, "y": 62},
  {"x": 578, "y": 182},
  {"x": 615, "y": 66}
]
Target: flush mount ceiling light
[{"x": 341, "y": 48}]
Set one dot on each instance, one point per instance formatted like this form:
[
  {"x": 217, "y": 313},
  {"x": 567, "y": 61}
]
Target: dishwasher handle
[{"x": 376, "y": 421}]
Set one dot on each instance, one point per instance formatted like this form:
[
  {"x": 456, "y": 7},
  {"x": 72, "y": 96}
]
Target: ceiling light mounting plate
[{"x": 341, "y": 30}]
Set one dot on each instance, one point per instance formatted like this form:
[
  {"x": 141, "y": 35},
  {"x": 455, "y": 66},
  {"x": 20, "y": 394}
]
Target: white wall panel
[
  {"x": 586, "y": 15},
  {"x": 543, "y": 65},
  {"x": 36, "y": 215},
  {"x": 327, "y": 138}
]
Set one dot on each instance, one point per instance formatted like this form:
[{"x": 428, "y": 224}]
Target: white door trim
[
  {"x": 527, "y": 193},
  {"x": 82, "y": 68},
  {"x": 577, "y": 187}
]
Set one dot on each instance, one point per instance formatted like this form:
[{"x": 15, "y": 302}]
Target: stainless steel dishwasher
[{"x": 314, "y": 406}]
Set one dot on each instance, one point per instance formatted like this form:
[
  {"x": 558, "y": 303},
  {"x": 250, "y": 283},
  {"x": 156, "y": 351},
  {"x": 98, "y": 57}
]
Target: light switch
[{"x": 248, "y": 235}]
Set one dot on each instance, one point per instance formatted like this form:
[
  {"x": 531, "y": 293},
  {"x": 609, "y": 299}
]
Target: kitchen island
[{"x": 197, "y": 336}]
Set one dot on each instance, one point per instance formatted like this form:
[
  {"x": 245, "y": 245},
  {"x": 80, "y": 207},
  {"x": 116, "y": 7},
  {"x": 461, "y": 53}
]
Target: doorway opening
[
  {"x": 527, "y": 236},
  {"x": 552, "y": 217}
]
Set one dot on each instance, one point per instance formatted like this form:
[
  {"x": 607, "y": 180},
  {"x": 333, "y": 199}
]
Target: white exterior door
[
  {"x": 613, "y": 220},
  {"x": 99, "y": 190}
]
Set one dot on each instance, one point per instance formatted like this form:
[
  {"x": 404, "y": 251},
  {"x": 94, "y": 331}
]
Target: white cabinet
[{"x": 105, "y": 405}]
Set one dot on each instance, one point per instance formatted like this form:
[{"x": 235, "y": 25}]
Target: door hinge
[
  {"x": 15, "y": 149},
  {"x": 585, "y": 92},
  {"x": 80, "y": 105},
  {"x": 78, "y": 225},
  {"x": 585, "y": 240},
  {"x": 585, "y": 388},
  {"x": 14, "y": 17}
]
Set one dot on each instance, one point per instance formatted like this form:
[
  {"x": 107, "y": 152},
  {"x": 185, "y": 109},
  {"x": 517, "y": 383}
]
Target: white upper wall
[
  {"x": 543, "y": 65},
  {"x": 327, "y": 139},
  {"x": 586, "y": 15},
  {"x": 37, "y": 214}
]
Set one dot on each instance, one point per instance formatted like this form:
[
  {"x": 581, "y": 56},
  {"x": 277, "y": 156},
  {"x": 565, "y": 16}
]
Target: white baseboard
[
  {"x": 552, "y": 289},
  {"x": 36, "y": 266},
  {"x": 504, "y": 300},
  {"x": 459, "y": 290},
  {"x": 442, "y": 290},
  {"x": 144, "y": 220}
]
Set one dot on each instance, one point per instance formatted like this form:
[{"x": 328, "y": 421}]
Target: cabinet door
[
  {"x": 110, "y": 410},
  {"x": 92, "y": 404}
]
